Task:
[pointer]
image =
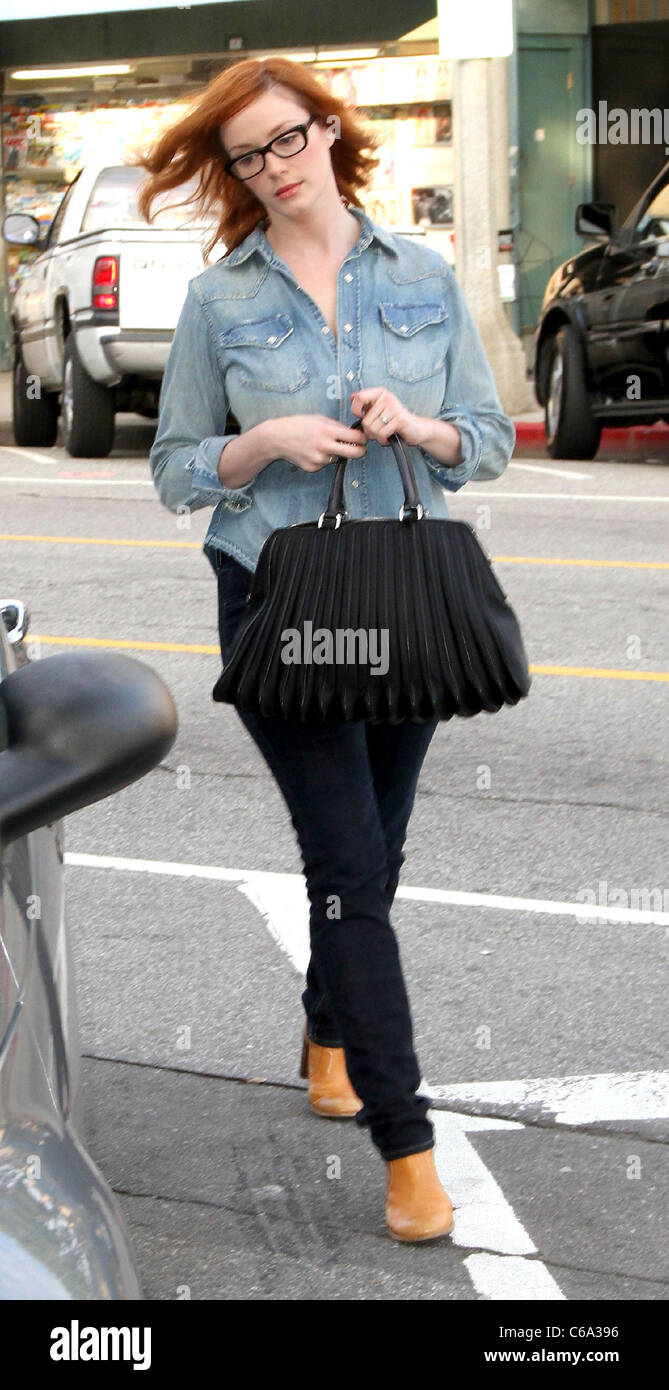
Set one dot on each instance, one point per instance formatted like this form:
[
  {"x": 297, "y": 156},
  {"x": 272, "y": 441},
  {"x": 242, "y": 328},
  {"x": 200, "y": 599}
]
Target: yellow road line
[
  {"x": 197, "y": 545},
  {"x": 589, "y": 564},
  {"x": 100, "y": 540},
  {"x": 121, "y": 642},
  {"x": 604, "y": 672}
]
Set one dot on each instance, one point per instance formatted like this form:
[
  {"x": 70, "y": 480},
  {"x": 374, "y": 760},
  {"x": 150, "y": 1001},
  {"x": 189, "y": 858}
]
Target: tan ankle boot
[
  {"x": 417, "y": 1207},
  {"x": 330, "y": 1091}
]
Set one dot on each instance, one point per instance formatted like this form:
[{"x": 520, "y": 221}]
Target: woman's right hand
[{"x": 311, "y": 441}]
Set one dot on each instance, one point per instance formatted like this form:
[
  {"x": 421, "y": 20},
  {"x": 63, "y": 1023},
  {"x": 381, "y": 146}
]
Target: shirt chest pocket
[
  {"x": 415, "y": 339},
  {"x": 265, "y": 354}
]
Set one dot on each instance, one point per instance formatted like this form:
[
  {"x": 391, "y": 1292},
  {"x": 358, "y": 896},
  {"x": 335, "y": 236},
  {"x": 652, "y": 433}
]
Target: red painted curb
[{"x": 533, "y": 432}]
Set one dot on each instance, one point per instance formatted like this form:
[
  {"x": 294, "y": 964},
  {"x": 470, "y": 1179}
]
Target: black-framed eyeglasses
[{"x": 290, "y": 142}]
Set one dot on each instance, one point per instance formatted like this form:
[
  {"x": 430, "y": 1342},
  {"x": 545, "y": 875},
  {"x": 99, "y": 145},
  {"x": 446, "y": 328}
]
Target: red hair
[{"x": 193, "y": 144}]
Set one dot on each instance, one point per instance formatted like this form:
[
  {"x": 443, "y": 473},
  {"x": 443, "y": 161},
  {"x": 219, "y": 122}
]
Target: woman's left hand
[{"x": 382, "y": 415}]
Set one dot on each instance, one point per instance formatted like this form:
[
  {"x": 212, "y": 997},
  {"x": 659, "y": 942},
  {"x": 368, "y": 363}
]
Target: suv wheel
[
  {"x": 87, "y": 409},
  {"x": 572, "y": 432},
  {"x": 35, "y": 421}
]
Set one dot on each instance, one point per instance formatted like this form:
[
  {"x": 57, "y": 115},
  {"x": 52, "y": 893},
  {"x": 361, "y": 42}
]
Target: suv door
[
  {"x": 13, "y": 871},
  {"x": 628, "y": 336},
  {"x": 36, "y": 984}
]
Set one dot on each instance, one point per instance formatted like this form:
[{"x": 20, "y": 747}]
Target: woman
[{"x": 316, "y": 314}]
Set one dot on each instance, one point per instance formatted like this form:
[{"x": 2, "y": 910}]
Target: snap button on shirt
[{"x": 252, "y": 343}]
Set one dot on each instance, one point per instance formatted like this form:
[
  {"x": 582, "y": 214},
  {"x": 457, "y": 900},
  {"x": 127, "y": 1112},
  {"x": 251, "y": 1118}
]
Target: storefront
[{"x": 53, "y": 125}]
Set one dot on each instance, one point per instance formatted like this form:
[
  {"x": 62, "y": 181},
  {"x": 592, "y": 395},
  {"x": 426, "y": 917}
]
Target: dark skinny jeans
[{"x": 350, "y": 790}]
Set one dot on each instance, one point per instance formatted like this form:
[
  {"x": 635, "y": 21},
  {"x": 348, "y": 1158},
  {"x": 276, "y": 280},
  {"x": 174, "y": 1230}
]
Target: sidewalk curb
[{"x": 533, "y": 432}]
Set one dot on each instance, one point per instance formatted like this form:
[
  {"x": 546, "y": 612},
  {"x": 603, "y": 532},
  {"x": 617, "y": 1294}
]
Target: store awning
[{"x": 205, "y": 28}]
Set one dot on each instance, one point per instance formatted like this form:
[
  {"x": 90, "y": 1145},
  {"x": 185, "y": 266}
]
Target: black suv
[{"x": 602, "y": 343}]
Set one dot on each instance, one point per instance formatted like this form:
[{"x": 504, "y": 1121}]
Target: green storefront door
[{"x": 553, "y": 169}]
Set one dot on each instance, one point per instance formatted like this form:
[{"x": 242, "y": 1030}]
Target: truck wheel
[
  {"x": 572, "y": 432},
  {"x": 87, "y": 409},
  {"x": 35, "y": 421}
]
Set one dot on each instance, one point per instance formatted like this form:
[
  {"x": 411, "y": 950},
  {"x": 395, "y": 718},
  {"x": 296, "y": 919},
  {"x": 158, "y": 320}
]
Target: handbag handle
[{"x": 411, "y": 507}]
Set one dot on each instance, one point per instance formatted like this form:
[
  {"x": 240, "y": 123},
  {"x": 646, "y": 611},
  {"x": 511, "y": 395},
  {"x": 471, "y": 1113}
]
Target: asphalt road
[{"x": 541, "y": 1033}]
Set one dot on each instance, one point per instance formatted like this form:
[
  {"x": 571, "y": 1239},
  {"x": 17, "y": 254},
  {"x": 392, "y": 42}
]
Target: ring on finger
[{"x": 385, "y": 419}]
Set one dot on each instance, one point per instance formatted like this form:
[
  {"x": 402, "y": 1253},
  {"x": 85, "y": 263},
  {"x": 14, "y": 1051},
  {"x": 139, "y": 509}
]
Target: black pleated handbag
[{"x": 378, "y": 619}]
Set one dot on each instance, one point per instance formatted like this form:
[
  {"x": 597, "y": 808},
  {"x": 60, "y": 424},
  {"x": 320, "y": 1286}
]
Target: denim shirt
[{"x": 250, "y": 340}]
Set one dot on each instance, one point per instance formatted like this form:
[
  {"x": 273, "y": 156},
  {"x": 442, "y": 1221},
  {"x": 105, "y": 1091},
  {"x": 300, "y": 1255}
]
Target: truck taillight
[{"x": 105, "y": 283}]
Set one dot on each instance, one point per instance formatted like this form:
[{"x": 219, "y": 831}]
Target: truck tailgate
[{"x": 153, "y": 281}]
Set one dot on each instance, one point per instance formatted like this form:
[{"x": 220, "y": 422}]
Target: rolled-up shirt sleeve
[
  {"x": 471, "y": 401},
  {"x": 192, "y": 414}
]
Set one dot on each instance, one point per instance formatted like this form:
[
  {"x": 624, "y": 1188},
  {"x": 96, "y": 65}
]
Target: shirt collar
[{"x": 257, "y": 241}]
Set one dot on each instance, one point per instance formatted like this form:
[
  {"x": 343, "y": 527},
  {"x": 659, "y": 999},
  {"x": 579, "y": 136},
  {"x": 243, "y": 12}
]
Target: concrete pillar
[
  {"x": 478, "y": 113},
  {"x": 499, "y": 71},
  {"x": 5, "y": 354}
]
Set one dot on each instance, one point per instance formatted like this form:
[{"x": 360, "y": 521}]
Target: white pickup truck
[{"x": 93, "y": 320}]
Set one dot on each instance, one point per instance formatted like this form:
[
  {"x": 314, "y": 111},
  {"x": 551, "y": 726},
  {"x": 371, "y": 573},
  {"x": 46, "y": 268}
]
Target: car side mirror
[
  {"x": 596, "y": 220},
  {"x": 75, "y": 728},
  {"x": 16, "y": 619},
  {"x": 21, "y": 229}
]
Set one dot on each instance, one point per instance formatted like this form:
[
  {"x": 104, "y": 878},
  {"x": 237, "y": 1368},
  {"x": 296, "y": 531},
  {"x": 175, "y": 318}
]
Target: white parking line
[
  {"x": 497, "y": 1277},
  {"x": 286, "y": 891},
  {"x": 79, "y": 482},
  {"x": 52, "y": 460},
  {"x": 285, "y": 909},
  {"x": 159, "y": 866},
  {"x": 485, "y": 1221},
  {"x": 545, "y": 469},
  {"x": 501, "y": 493},
  {"x": 584, "y": 912},
  {"x": 573, "y": 1100}
]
